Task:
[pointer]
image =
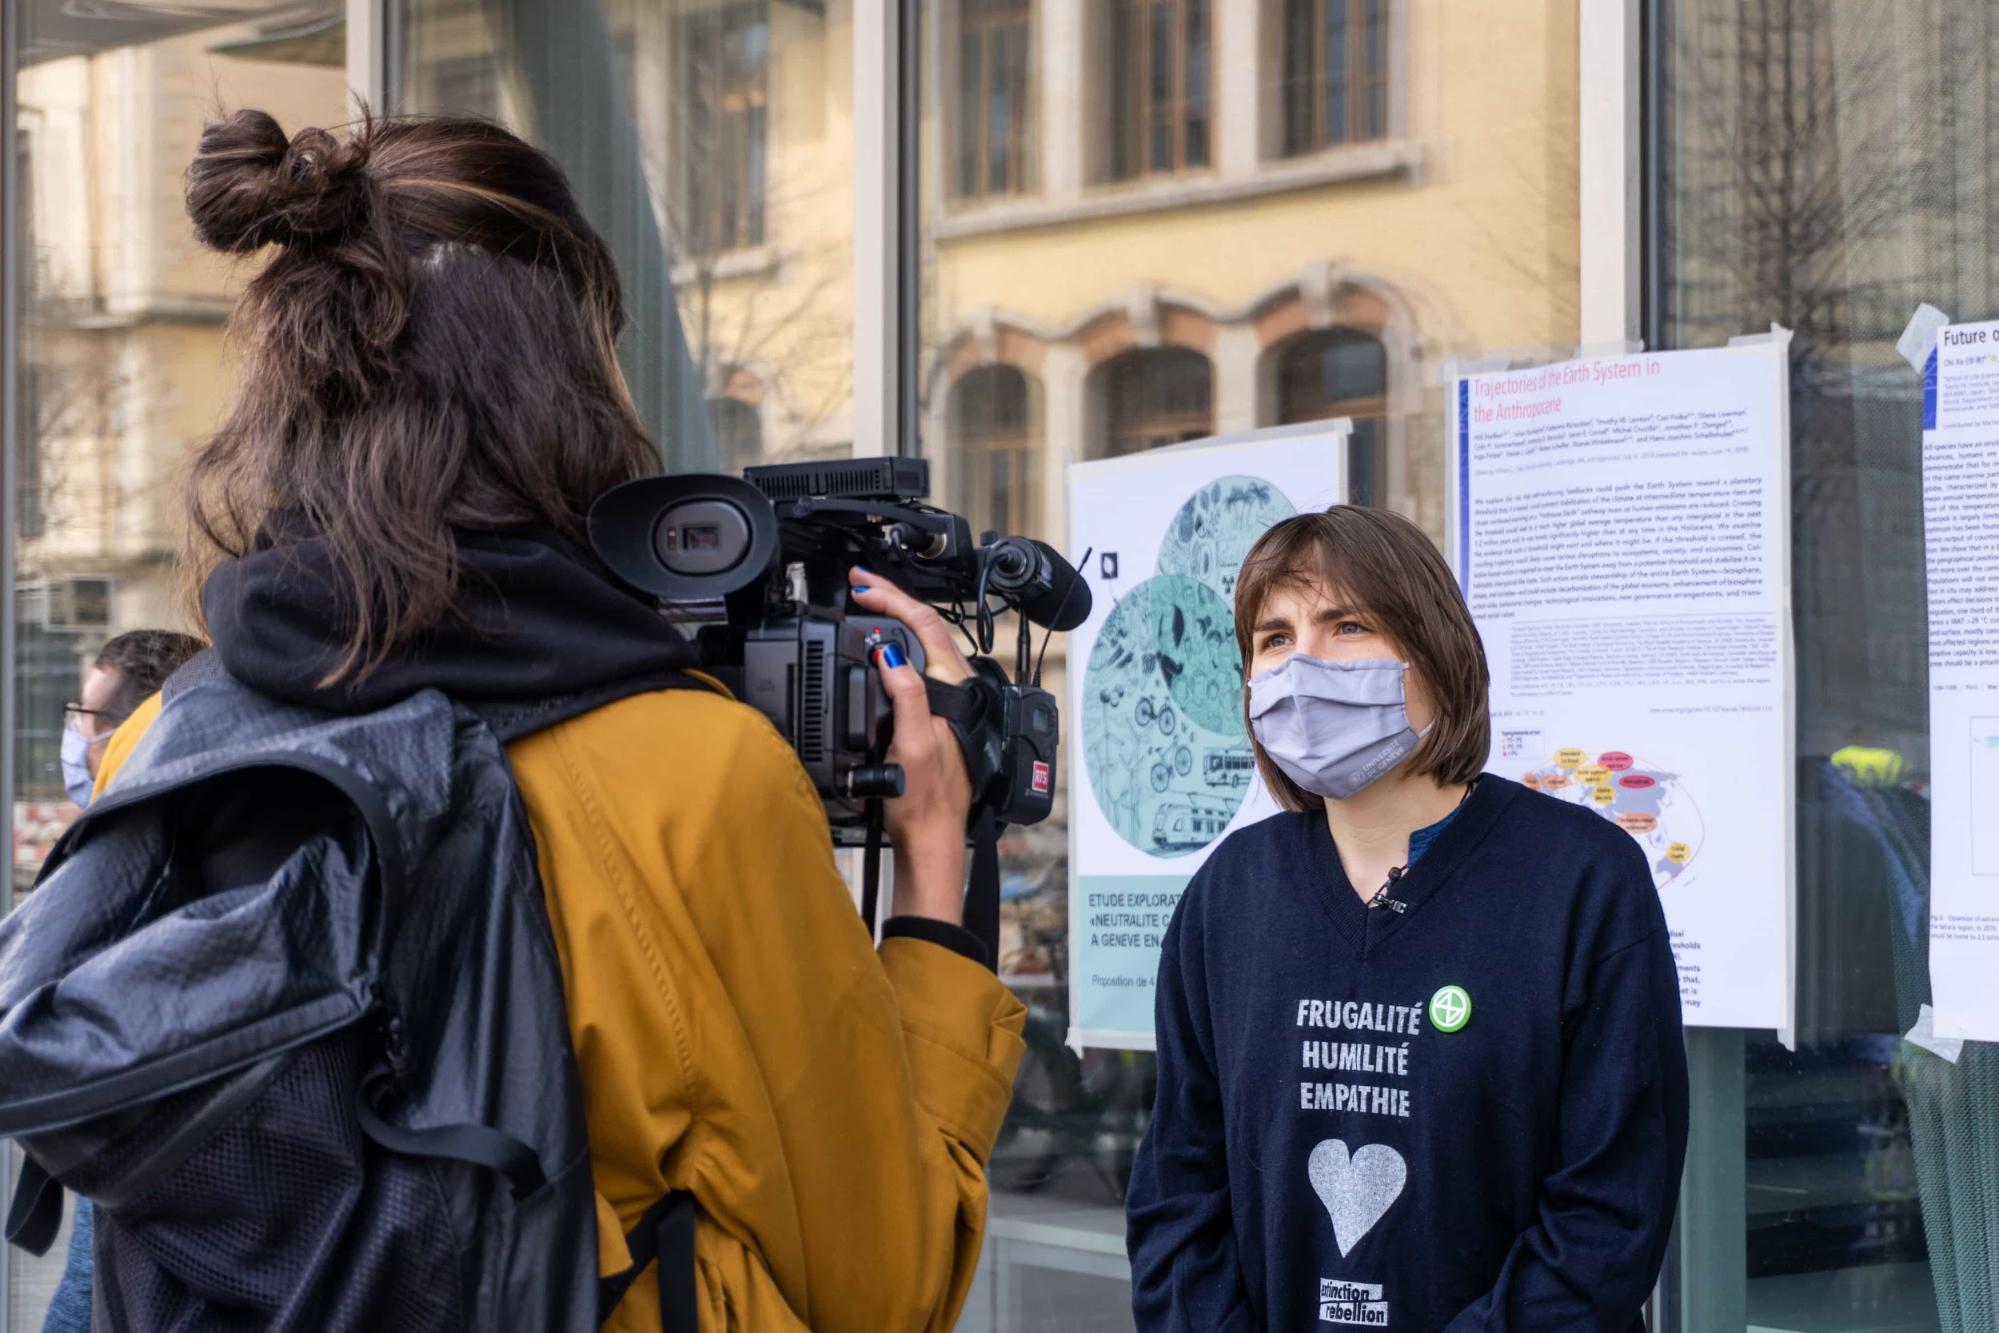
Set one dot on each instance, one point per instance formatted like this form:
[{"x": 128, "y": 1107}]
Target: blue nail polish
[
  {"x": 893, "y": 656},
  {"x": 861, "y": 587}
]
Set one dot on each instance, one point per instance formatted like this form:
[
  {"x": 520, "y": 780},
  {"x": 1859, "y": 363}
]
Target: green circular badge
[{"x": 1450, "y": 1008}]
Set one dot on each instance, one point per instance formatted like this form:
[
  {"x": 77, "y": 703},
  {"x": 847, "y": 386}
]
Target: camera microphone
[{"x": 1046, "y": 587}]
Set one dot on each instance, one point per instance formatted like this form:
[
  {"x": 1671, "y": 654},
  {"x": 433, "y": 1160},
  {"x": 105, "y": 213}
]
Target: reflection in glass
[
  {"x": 1816, "y": 173},
  {"x": 119, "y": 365},
  {"x": 722, "y": 117},
  {"x": 710, "y": 141}
]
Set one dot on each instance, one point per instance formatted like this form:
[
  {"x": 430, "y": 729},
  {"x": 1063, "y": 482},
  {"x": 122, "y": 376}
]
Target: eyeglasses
[{"x": 103, "y": 721}]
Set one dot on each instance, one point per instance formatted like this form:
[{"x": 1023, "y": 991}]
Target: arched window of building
[
  {"x": 1155, "y": 396},
  {"x": 739, "y": 433},
  {"x": 996, "y": 461},
  {"x": 1341, "y": 373}
]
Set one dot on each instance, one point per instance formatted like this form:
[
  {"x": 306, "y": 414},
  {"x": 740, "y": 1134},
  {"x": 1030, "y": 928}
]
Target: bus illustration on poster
[{"x": 1161, "y": 761}]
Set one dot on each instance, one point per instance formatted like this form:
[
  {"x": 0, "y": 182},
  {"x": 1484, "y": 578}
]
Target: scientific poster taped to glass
[
  {"x": 1160, "y": 762},
  {"x": 1961, "y": 536},
  {"x": 1621, "y": 529}
]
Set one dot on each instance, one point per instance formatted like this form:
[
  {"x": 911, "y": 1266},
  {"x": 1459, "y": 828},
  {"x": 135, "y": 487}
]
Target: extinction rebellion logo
[{"x": 1356, "y": 1304}]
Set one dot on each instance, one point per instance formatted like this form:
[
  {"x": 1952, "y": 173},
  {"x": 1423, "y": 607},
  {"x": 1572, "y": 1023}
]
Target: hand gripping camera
[{"x": 759, "y": 565}]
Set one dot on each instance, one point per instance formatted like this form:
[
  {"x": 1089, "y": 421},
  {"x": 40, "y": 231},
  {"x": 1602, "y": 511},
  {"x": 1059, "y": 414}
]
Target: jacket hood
[{"x": 535, "y": 620}]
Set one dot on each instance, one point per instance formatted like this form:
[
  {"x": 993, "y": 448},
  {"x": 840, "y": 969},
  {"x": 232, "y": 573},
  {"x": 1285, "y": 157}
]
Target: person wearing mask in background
[
  {"x": 431, "y": 399},
  {"x": 1420, "y": 1063},
  {"x": 125, "y": 673}
]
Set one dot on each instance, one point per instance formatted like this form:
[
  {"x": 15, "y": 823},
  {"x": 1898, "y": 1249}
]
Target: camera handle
[{"x": 964, "y": 707}]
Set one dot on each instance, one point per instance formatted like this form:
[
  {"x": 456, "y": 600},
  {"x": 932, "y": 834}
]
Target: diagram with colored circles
[
  {"x": 1168, "y": 759},
  {"x": 1647, "y": 802}
]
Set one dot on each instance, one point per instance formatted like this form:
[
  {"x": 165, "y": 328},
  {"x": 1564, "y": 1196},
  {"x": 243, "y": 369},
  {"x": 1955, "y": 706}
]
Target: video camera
[{"x": 760, "y": 565}]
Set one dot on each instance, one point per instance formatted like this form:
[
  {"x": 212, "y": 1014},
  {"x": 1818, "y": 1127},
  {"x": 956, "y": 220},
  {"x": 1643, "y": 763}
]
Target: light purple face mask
[{"x": 1332, "y": 727}]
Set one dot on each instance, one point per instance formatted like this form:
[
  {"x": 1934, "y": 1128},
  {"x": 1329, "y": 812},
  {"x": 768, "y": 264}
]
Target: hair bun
[{"x": 249, "y": 186}]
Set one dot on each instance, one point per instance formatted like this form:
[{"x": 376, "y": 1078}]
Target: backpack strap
[
  {"x": 509, "y": 720},
  {"x": 664, "y": 1236},
  {"x": 480, "y": 1145},
  {"x": 36, "y": 1214}
]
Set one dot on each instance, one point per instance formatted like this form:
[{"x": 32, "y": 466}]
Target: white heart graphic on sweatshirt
[{"x": 1356, "y": 1190}]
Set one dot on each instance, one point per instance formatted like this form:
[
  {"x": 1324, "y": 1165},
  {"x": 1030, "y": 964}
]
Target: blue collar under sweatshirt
[{"x": 1467, "y": 1114}]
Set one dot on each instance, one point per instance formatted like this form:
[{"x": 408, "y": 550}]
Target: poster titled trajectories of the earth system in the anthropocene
[{"x": 1161, "y": 766}]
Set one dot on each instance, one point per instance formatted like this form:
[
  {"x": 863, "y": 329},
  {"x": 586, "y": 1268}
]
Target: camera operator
[{"x": 430, "y": 402}]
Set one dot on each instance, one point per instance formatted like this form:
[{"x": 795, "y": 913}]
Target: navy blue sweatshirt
[{"x": 1466, "y": 1114}]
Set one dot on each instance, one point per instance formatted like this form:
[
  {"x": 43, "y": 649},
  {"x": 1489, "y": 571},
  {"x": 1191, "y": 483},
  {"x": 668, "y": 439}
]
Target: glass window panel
[
  {"x": 1300, "y": 60},
  {"x": 1221, "y": 305},
  {"x": 119, "y": 365},
  {"x": 696, "y": 133},
  {"x": 1334, "y": 75},
  {"x": 1000, "y": 111},
  {"x": 1161, "y": 57},
  {"x": 1127, "y": 117},
  {"x": 1372, "y": 109},
  {"x": 1356, "y": 368},
  {"x": 971, "y": 96},
  {"x": 1198, "y": 38},
  {"x": 1825, "y": 167}
]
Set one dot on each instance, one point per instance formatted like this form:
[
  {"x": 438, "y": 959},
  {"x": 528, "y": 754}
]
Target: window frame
[
  {"x": 1129, "y": 122},
  {"x": 1359, "y": 81},
  {"x": 981, "y": 21},
  {"x": 10, "y": 526}
]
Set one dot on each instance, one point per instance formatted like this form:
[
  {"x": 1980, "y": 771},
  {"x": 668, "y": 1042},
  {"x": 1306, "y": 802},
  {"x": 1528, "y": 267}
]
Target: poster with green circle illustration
[{"x": 1212, "y": 532}]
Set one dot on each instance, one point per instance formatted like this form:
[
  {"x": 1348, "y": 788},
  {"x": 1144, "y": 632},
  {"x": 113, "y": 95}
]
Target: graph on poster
[{"x": 1650, "y": 803}]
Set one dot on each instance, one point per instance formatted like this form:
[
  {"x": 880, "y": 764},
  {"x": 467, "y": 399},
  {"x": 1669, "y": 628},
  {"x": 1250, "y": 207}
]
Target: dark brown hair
[
  {"x": 431, "y": 345},
  {"x": 143, "y": 659},
  {"x": 1379, "y": 563}
]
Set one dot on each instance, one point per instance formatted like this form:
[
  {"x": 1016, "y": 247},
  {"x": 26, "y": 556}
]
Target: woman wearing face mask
[{"x": 1419, "y": 1036}]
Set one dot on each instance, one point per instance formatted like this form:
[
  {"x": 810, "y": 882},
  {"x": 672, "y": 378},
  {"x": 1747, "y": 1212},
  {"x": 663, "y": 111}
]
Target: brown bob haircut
[{"x": 1380, "y": 564}]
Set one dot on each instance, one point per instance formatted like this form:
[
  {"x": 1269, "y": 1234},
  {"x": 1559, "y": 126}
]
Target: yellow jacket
[{"x": 831, "y": 1107}]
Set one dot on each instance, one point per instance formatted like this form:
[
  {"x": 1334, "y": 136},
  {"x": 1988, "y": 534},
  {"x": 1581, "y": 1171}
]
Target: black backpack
[{"x": 285, "y": 1006}]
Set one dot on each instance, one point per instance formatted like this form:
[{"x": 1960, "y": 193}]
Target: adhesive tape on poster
[{"x": 1920, "y": 338}]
